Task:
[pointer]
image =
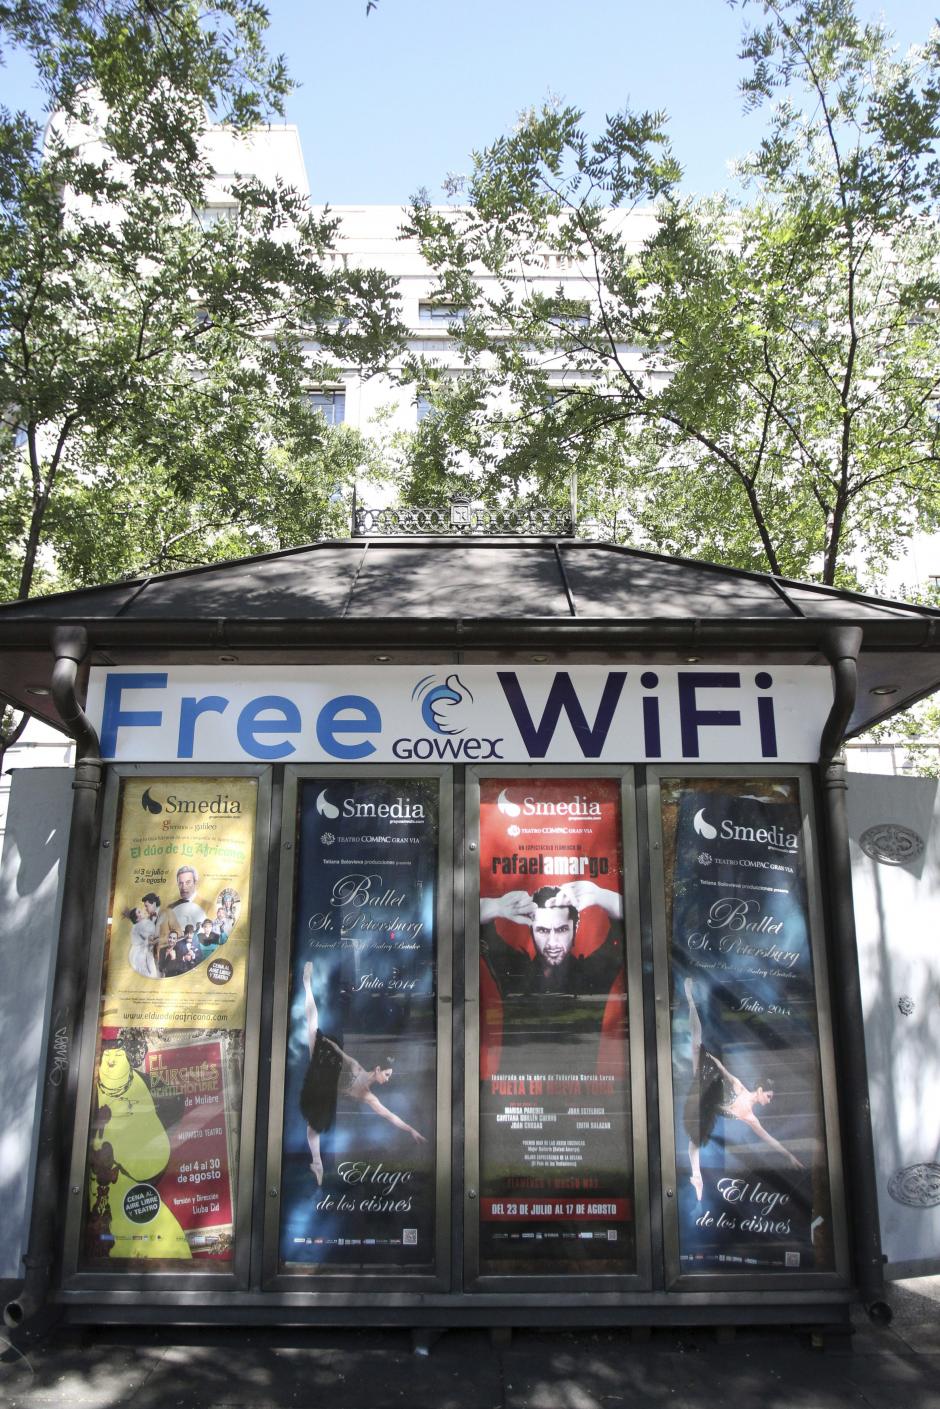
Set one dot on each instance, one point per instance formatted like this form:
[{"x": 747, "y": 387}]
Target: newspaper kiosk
[{"x": 458, "y": 931}]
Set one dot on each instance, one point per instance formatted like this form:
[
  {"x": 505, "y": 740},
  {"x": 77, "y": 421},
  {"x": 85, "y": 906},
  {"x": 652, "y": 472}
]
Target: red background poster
[
  {"x": 556, "y": 1186},
  {"x": 197, "y": 1183},
  {"x": 540, "y": 833}
]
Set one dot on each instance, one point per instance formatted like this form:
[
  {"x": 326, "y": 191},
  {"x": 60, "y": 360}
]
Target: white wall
[
  {"x": 897, "y": 916},
  {"x": 39, "y": 746}
]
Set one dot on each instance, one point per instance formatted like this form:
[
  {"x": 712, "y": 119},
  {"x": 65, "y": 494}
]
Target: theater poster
[
  {"x": 177, "y": 951},
  {"x": 166, "y": 1101},
  {"x": 556, "y": 1183},
  {"x": 359, "y": 1133},
  {"x": 752, "y": 1173}
]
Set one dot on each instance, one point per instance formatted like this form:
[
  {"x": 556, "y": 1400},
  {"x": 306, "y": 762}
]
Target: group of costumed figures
[{"x": 171, "y": 940}]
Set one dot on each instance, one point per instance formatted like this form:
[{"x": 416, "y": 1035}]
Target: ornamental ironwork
[
  {"x": 917, "y": 1186},
  {"x": 460, "y": 520},
  {"x": 892, "y": 844}
]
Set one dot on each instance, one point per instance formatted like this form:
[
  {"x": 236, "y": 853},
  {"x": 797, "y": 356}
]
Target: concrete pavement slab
[{"x": 166, "y": 1367}]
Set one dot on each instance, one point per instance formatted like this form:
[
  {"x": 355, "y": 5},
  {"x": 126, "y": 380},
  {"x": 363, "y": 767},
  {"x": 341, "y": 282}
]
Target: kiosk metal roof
[{"x": 483, "y": 599}]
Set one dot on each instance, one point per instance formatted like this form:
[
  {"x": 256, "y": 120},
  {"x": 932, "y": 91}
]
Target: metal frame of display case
[
  {"x": 316, "y": 1279},
  {"x": 194, "y": 1280},
  {"x": 256, "y": 1291},
  {"x": 678, "y": 1281}
]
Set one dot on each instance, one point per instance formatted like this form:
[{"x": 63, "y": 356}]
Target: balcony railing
[{"x": 459, "y": 520}]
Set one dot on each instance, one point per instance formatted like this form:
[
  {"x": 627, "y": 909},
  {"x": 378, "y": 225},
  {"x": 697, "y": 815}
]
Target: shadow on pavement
[{"x": 896, "y": 1367}]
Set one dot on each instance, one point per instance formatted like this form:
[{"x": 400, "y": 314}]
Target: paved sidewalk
[{"x": 209, "y": 1368}]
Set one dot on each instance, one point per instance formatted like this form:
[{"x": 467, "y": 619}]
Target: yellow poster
[{"x": 178, "y": 943}]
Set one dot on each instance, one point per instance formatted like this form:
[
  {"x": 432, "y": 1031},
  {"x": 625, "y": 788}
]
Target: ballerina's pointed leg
[
  {"x": 695, "y": 1178},
  {"x": 316, "y": 1163}
]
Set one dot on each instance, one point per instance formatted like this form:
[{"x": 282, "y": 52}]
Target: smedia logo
[
  {"x": 402, "y": 809},
  {"x": 441, "y": 703},
  {"x": 219, "y": 806},
  {"x": 446, "y": 710},
  {"x": 774, "y": 837},
  {"x": 506, "y": 805},
  {"x": 579, "y": 807},
  {"x": 325, "y": 807}
]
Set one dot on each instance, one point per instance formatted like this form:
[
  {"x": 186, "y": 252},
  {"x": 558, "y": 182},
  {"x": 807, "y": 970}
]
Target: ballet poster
[
  {"x": 556, "y": 1191},
  {"x": 752, "y": 1177},
  {"x": 358, "y": 1166}
]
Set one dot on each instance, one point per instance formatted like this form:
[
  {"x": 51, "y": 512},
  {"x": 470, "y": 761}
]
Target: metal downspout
[
  {"x": 842, "y": 648},
  {"x": 70, "y": 646}
]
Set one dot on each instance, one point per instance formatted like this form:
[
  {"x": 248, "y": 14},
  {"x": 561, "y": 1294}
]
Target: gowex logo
[
  {"x": 446, "y": 708},
  {"x": 441, "y": 703}
]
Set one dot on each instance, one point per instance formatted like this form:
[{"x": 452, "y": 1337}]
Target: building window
[
  {"x": 330, "y": 404},
  {"x": 425, "y": 407},
  {"x": 441, "y": 313},
  {"x": 548, "y": 260},
  {"x": 224, "y": 212}
]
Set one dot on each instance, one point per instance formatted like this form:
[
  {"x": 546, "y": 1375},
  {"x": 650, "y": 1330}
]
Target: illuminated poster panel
[
  {"x": 166, "y": 1103},
  {"x": 358, "y": 1166},
  {"x": 556, "y": 1185},
  {"x": 752, "y": 1175}
]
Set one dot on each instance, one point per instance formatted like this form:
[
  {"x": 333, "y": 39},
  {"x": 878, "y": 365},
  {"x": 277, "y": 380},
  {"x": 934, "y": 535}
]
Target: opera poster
[
  {"x": 556, "y": 1185},
  {"x": 166, "y": 1096},
  {"x": 178, "y": 939},
  {"x": 752, "y": 1174},
  {"x": 360, "y": 1123}
]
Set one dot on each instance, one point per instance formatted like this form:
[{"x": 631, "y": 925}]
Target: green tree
[
  {"x": 916, "y": 730},
  {"x": 756, "y": 381},
  {"x": 154, "y": 363}
]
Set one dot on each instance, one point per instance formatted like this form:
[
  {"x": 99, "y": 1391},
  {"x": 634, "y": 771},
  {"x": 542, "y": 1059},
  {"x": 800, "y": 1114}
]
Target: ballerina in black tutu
[
  {"x": 713, "y": 1092},
  {"x": 332, "y": 1073}
]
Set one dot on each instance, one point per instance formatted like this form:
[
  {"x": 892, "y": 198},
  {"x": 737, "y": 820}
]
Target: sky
[{"x": 395, "y": 101}]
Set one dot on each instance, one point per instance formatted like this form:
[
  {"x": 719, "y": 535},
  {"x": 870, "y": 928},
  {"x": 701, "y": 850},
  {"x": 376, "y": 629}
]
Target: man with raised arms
[{"x": 553, "y": 990}]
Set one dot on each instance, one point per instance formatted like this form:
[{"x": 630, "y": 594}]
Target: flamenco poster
[
  {"x": 358, "y": 1167},
  {"x": 556, "y": 1189},
  {"x": 752, "y": 1176}
]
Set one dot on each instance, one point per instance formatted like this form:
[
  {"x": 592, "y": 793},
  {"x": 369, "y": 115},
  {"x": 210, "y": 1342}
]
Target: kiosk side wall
[
  {"x": 897, "y": 914},
  {"x": 31, "y": 875}
]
